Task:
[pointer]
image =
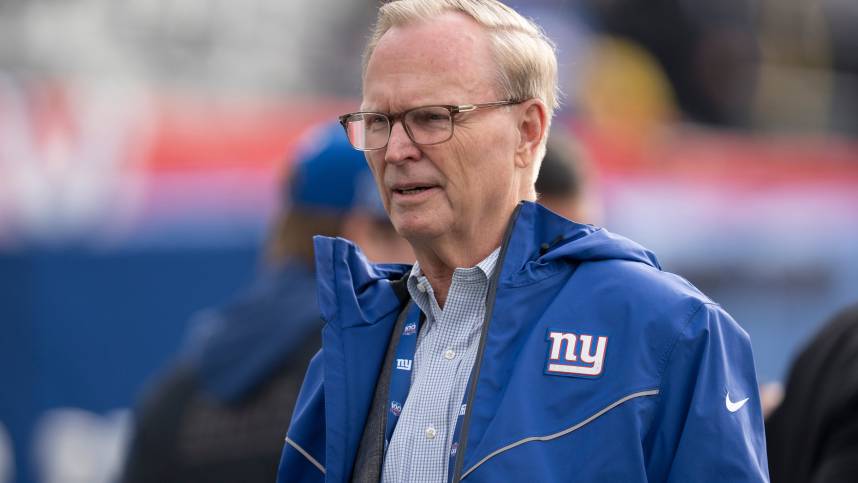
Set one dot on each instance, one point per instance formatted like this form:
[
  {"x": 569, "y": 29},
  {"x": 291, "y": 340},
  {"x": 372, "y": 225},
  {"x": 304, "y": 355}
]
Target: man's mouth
[{"x": 412, "y": 191}]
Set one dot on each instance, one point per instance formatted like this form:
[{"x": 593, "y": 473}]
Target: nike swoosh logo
[{"x": 734, "y": 406}]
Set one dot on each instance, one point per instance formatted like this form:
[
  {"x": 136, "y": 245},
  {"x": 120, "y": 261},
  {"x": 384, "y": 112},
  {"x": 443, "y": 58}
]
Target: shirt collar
[{"x": 420, "y": 290}]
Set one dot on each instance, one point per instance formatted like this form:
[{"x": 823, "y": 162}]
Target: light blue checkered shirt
[{"x": 446, "y": 349}]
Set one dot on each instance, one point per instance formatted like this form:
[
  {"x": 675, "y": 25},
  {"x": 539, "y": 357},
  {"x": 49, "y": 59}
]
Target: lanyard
[
  {"x": 400, "y": 384},
  {"x": 400, "y": 375},
  {"x": 454, "y": 448}
]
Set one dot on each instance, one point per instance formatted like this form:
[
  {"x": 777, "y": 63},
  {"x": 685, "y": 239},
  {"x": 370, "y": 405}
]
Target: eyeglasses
[{"x": 425, "y": 125}]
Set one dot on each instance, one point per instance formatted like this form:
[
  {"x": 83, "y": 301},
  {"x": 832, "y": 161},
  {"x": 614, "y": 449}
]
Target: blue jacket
[{"x": 673, "y": 396}]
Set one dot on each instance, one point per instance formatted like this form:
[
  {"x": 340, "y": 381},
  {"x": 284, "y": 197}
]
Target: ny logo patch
[{"x": 573, "y": 355}]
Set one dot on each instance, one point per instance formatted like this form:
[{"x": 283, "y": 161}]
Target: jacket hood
[
  {"x": 541, "y": 238},
  {"x": 348, "y": 282}
]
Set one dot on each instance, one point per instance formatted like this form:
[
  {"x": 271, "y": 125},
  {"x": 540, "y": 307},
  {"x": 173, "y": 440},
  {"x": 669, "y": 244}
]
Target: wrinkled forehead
[{"x": 426, "y": 60}]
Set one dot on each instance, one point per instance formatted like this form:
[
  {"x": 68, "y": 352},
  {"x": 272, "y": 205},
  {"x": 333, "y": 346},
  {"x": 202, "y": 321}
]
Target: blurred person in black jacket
[
  {"x": 812, "y": 436},
  {"x": 219, "y": 413}
]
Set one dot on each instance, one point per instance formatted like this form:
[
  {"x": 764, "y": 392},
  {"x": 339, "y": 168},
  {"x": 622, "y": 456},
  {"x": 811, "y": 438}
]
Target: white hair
[{"x": 526, "y": 58}]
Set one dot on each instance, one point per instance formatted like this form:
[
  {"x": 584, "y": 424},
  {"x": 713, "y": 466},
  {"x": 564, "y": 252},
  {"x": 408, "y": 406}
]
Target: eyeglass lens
[{"x": 424, "y": 125}]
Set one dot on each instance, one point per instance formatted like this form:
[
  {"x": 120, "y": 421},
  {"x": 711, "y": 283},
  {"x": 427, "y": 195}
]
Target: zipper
[{"x": 475, "y": 374}]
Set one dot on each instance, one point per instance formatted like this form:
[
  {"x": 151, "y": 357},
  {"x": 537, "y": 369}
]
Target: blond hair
[{"x": 526, "y": 59}]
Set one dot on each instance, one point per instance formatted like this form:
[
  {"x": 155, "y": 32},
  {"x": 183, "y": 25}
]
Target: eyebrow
[{"x": 362, "y": 108}]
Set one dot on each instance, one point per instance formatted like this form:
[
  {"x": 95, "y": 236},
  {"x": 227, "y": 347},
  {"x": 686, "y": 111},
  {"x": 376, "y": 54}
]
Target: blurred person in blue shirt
[{"x": 219, "y": 413}]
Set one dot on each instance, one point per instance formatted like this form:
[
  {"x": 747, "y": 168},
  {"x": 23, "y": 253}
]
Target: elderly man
[{"x": 521, "y": 346}]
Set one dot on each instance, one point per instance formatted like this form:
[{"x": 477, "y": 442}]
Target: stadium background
[{"x": 142, "y": 144}]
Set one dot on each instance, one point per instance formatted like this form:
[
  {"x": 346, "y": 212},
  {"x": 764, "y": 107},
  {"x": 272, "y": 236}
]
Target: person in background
[
  {"x": 564, "y": 183},
  {"x": 521, "y": 346},
  {"x": 812, "y": 435},
  {"x": 219, "y": 413}
]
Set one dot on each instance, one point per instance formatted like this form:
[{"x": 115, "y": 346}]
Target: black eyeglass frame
[{"x": 393, "y": 118}]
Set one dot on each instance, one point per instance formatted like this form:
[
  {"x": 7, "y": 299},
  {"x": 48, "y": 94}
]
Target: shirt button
[
  {"x": 430, "y": 432},
  {"x": 449, "y": 354},
  {"x": 421, "y": 287}
]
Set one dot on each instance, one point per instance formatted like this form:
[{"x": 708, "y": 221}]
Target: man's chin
[{"x": 418, "y": 231}]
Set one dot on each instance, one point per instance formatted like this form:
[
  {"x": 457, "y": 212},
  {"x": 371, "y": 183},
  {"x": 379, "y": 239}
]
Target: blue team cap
[{"x": 330, "y": 175}]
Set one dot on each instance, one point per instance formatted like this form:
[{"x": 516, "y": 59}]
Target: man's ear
[{"x": 532, "y": 125}]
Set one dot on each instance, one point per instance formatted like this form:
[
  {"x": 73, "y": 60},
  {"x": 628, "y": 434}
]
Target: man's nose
[{"x": 400, "y": 147}]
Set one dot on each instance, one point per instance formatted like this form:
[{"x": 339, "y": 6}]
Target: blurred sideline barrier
[{"x": 83, "y": 330}]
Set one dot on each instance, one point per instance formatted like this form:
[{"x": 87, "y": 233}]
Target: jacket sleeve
[
  {"x": 709, "y": 424},
  {"x": 303, "y": 456}
]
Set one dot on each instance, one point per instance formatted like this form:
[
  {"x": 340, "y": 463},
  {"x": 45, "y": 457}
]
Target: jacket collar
[{"x": 539, "y": 241}]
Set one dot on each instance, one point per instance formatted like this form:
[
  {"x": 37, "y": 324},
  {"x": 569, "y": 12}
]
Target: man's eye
[
  {"x": 431, "y": 117},
  {"x": 376, "y": 122}
]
